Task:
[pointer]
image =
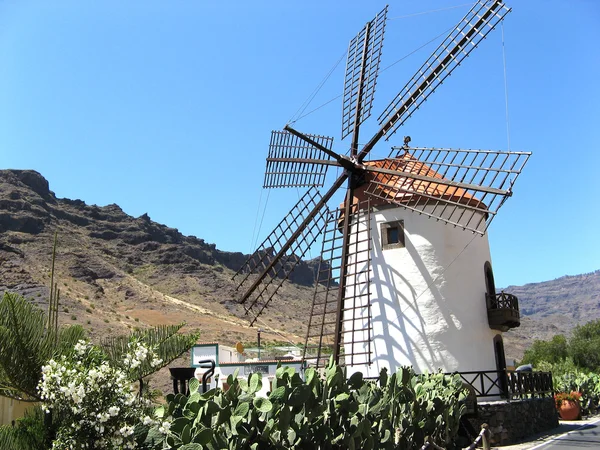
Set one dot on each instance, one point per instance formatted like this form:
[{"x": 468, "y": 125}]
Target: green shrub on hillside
[
  {"x": 583, "y": 347},
  {"x": 552, "y": 351}
]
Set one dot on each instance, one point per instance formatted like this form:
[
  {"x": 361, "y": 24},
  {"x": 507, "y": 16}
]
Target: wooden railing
[
  {"x": 503, "y": 311},
  {"x": 503, "y": 300},
  {"x": 509, "y": 384},
  {"x": 530, "y": 384}
]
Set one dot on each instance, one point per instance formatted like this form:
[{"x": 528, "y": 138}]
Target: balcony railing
[
  {"x": 503, "y": 311},
  {"x": 508, "y": 384}
]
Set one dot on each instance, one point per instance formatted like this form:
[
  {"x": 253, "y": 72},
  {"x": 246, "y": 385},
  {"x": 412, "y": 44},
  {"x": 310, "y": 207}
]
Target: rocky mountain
[
  {"x": 117, "y": 272},
  {"x": 553, "y": 307}
]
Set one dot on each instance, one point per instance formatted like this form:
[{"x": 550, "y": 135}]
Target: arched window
[{"x": 490, "y": 286}]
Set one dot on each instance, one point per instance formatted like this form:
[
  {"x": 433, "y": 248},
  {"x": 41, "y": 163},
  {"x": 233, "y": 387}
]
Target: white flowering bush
[{"x": 94, "y": 400}]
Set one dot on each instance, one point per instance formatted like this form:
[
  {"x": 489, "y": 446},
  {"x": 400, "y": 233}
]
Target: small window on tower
[{"x": 392, "y": 234}]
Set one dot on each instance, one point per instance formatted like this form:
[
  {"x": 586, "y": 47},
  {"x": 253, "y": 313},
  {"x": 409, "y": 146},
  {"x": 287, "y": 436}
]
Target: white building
[{"x": 228, "y": 360}]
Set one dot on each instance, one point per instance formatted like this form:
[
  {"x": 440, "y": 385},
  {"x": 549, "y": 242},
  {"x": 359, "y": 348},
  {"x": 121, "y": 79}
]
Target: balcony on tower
[{"x": 503, "y": 311}]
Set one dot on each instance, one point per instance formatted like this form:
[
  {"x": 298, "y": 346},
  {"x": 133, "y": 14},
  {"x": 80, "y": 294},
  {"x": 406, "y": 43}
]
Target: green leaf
[
  {"x": 186, "y": 434},
  {"x": 356, "y": 380},
  {"x": 351, "y": 445},
  {"x": 191, "y": 446},
  {"x": 291, "y": 435},
  {"x": 255, "y": 383},
  {"x": 279, "y": 372},
  {"x": 178, "y": 424},
  {"x": 285, "y": 416},
  {"x": 193, "y": 398},
  {"x": 299, "y": 395},
  {"x": 194, "y": 385},
  {"x": 342, "y": 397},
  {"x": 203, "y": 436},
  {"x": 170, "y": 441},
  {"x": 383, "y": 377},
  {"x": 278, "y": 394},
  {"x": 387, "y": 434},
  {"x": 262, "y": 404},
  {"x": 223, "y": 416},
  {"x": 234, "y": 421},
  {"x": 242, "y": 409},
  {"x": 154, "y": 437}
]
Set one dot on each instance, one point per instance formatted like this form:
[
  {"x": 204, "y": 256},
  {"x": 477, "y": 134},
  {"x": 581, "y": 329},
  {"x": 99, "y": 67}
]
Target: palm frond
[
  {"x": 168, "y": 342},
  {"x": 26, "y": 345}
]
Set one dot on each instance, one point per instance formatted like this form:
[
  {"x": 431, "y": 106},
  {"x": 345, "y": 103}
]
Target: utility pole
[{"x": 258, "y": 331}]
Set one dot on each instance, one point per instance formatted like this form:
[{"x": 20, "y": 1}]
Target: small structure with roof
[{"x": 228, "y": 360}]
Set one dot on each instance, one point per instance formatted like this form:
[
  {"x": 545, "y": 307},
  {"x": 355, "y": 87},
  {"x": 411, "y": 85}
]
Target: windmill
[{"x": 462, "y": 189}]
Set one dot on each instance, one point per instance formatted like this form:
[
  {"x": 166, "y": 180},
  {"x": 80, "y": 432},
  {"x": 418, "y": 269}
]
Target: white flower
[
  {"x": 148, "y": 420},
  {"x": 126, "y": 430},
  {"x": 156, "y": 362},
  {"x": 113, "y": 410},
  {"x": 164, "y": 428},
  {"x": 80, "y": 347}
]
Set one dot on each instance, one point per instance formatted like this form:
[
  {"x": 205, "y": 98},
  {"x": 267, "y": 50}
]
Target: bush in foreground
[{"x": 401, "y": 411}]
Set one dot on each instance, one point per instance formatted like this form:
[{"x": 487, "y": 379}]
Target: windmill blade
[
  {"x": 283, "y": 249},
  {"x": 293, "y": 162},
  {"x": 464, "y": 188},
  {"x": 469, "y": 32},
  {"x": 356, "y": 307},
  {"x": 362, "y": 68}
]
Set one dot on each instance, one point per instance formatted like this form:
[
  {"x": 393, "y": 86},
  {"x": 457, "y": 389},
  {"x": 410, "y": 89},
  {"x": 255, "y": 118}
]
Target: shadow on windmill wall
[{"x": 427, "y": 311}]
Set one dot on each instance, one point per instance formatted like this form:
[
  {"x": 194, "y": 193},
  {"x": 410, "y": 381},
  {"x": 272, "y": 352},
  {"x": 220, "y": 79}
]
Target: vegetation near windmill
[
  {"x": 553, "y": 351},
  {"x": 574, "y": 363},
  {"x": 86, "y": 393},
  {"x": 583, "y": 347},
  {"x": 26, "y": 345},
  {"x": 85, "y": 390},
  {"x": 402, "y": 411}
]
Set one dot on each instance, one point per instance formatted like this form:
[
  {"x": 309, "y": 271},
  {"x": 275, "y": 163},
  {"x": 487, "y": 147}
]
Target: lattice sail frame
[
  {"x": 293, "y": 162},
  {"x": 470, "y": 31},
  {"x": 264, "y": 255},
  {"x": 480, "y": 183},
  {"x": 362, "y": 68},
  {"x": 356, "y": 309}
]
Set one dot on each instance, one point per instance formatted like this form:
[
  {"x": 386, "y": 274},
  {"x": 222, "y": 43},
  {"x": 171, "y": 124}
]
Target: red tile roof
[{"x": 410, "y": 188}]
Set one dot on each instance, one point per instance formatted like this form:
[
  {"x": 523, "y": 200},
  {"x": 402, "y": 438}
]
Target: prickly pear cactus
[{"x": 321, "y": 411}]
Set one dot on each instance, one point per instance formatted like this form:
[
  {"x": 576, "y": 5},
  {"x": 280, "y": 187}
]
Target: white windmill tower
[
  {"x": 389, "y": 291},
  {"x": 428, "y": 298}
]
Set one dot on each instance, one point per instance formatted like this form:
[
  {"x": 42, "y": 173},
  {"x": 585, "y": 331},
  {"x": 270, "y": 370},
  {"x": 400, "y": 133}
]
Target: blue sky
[{"x": 166, "y": 108}]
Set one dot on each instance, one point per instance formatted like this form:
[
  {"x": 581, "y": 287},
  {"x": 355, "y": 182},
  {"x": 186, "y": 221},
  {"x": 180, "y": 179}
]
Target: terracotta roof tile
[{"x": 410, "y": 188}]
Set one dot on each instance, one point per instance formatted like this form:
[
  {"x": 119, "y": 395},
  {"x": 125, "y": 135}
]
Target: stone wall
[{"x": 513, "y": 421}]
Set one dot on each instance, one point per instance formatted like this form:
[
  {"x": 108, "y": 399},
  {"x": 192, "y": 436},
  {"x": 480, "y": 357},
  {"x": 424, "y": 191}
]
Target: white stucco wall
[{"x": 428, "y": 299}]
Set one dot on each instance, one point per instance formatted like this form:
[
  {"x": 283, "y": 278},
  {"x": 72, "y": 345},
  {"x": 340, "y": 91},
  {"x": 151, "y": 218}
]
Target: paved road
[{"x": 587, "y": 436}]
